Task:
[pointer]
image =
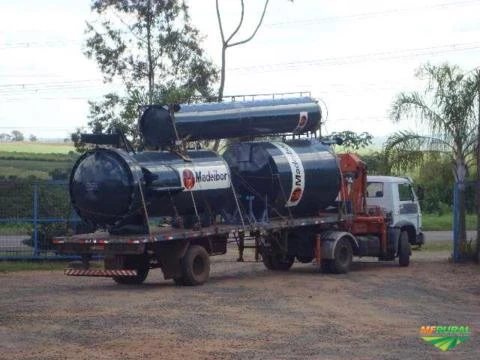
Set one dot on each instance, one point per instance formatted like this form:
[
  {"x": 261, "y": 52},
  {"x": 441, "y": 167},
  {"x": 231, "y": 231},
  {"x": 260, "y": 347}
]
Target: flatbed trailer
[{"x": 328, "y": 240}]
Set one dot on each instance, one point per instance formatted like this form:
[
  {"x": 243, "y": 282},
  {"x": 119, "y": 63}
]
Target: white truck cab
[{"x": 397, "y": 197}]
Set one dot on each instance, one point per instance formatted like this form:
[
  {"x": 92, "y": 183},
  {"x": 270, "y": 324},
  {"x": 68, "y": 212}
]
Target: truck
[
  {"x": 172, "y": 208},
  {"x": 397, "y": 197}
]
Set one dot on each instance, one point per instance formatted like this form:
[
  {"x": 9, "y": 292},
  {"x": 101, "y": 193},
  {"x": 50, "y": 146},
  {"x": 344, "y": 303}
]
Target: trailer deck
[{"x": 97, "y": 240}]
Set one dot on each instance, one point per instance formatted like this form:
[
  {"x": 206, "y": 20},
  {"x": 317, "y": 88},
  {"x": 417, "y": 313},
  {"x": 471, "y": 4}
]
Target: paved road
[
  {"x": 445, "y": 235},
  {"x": 13, "y": 243}
]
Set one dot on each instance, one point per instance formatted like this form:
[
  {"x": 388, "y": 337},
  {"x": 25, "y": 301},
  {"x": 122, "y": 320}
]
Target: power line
[
  {"x": 366, "y": 15},
  {"x": 351, "y": 59},
  {"x": 50, "y": 83}
]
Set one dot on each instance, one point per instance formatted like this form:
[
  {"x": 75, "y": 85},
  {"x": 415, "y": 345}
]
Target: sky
[{"x": 353, "y": 56}]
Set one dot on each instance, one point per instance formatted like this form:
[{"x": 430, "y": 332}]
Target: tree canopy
[
  {"x": 152, "y": 49},
  {"x": 447, "y": 111}
]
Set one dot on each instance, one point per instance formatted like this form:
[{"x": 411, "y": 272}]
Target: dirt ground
[{"x": 244, "y": 312}]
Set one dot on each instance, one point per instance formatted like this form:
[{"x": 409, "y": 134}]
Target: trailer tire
[
  {"x": 404, "y": 250},
  {"x": 278, "y": 262},
  {"x": 133, "y": 262},
  {"x": 343, "y": 255},
  {"x": 195, "y": 266}
]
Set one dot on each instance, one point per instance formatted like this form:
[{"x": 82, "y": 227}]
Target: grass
[
  {"x": 445, "y": 222},
  {"x": 15, "y": 266},
  {"x": 26, "y": 168},
  {"x": 37, "y": 160},
  {"x": 437, "y": 246},
  {"x": 37, "y": 147},
  {"x": 44, "y": 265},
  {"x": 15, "y": 228},
  {"x": 8, "y": 171}
]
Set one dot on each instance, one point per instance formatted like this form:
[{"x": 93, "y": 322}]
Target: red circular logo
[
  {"x": 296, "y": 195},
  {"x": 303, "y": 121},
  {"x": 188, "y": 179}
]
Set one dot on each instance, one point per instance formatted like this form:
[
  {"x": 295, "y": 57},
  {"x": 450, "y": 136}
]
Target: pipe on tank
[{"x": 210, "y": 121}]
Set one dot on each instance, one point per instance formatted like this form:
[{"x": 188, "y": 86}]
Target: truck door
[{"x": 409, "y": 209}]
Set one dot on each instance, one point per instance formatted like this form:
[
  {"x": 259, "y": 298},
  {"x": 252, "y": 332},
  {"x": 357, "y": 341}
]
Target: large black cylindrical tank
[
  {"x": 299, "y": 177},
  {"x": 230, "y": 119},
  {"x": 106, "y": 185}
]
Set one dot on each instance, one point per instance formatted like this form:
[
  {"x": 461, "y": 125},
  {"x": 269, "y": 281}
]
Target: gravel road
[{"x": 244, "y": 312}]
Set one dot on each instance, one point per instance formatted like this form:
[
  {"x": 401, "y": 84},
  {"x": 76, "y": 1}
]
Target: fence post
[
  {"x": 456, "y": 223},
  {"x": 36, "y": 247}
]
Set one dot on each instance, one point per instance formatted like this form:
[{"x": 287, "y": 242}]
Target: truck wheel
[
  {"x": 342, "y": 257},
  {"x": 327, "y": 266},
  {"x": 134, "y": 263},
  {"x": 195, "y": 266},
  {"x": 404, "y": 250},
  {"x": 278, "y": 262}
]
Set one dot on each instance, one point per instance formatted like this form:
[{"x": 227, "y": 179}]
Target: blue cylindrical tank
[
  {"x": 106, "y": 185},
  {"x": 298, "y": 178},
  {"x": 230, "y": 119}
]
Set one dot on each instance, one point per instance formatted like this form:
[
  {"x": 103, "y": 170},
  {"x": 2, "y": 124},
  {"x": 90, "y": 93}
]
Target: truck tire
[
  {"x": 134, "y": 262},
  {"x": 342, "y": 261},
  {"x": 195, "y": 266},
  {"x": 404, "y": 250},
  {"x": 278, "y": 262}
]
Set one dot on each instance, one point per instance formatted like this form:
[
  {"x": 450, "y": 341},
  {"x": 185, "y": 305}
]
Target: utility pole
[{"x": 477, "y": 192}]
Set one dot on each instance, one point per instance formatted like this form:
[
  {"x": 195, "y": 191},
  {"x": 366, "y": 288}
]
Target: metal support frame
[{"x": 456, "y": 222}]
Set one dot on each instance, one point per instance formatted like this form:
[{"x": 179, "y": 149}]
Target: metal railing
[{"x": 31, "y": 214}]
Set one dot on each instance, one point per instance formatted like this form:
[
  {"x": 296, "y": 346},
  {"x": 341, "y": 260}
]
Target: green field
[
  {"x": 445, "y": 222},
  {"x": 32, "y": 159},
  {"x": 37, "y": 147}
]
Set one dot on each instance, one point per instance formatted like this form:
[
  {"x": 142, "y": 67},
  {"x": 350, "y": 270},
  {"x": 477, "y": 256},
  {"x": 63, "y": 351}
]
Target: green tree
[
  {"x": 17, "y": 135},
  {"x": 32, "y": 138},
  {"x": 352, "y": 141},
  {"x": 151, "y": 47},
  {"x": 447, "y": 112},
  {"x": 377, "y": 163}
]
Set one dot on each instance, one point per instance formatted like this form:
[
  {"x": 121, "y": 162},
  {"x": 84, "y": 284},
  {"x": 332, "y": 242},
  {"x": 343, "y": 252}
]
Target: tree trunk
[{"x": 221, "y": 88}]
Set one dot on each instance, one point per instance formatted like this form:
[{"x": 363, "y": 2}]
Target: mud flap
[
  {"x": 393, "y": 237},
  {"x": 170, "y": 255}
]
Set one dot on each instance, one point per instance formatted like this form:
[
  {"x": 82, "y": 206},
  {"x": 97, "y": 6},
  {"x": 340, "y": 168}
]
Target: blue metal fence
[{"x": 31, "y": 214}]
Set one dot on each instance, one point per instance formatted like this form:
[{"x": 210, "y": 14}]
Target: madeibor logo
[
  {"x": 445, "y": 337},
  {"x": 188, "y": 179}
]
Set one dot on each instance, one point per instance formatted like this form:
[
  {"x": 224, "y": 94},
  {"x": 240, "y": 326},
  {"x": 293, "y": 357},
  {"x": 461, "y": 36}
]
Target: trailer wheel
[
  {"x": 195, "y": 266},
  {"x": 133, "y": 262},
  {"x": 278, "y": 262},
  {"x": 342, "y": 261},
  {"x": 404, "y": 250}
]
